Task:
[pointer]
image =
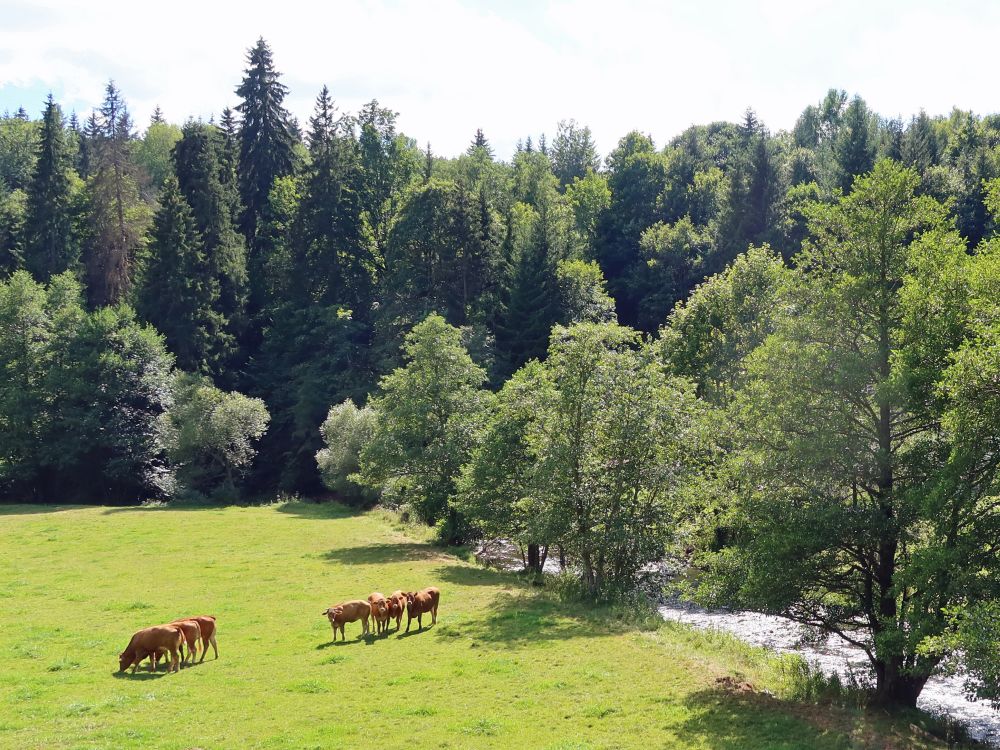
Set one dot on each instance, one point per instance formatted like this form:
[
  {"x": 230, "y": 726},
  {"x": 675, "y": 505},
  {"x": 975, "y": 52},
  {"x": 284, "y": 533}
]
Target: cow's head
[
  {"x": 124, "y": 661},
  {"x": 334, "y": 612},
  {"x": 410, "y": 596}
]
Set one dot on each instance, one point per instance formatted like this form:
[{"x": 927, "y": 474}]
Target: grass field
[{"x": 506, "y": 666}]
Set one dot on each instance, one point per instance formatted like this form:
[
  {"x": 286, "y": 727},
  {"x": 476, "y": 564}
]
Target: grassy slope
[{"x": 505, "y": 667}]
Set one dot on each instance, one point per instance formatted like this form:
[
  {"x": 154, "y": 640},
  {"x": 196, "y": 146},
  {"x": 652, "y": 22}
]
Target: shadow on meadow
[
  {"x": 34, "y": 510},
  {"x": 381, "y": 554},
  {"x": 734, "y": 718}
]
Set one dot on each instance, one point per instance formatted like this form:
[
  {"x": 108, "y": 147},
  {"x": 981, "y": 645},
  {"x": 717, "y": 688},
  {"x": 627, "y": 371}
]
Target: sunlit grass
[{"x": 507, "y": 665}]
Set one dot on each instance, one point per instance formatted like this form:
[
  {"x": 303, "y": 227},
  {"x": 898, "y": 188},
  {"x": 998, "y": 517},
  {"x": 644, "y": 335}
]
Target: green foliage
[
  {"x": 65, "y": 439},
  {"x": 265, "y": 140},
  {"x": 51, "y": 241},
  {"x": 153, "y": 152},
  {"x": 582, "y": 294},
  {"x": 843, "y": 494},
  {"x": 179, "y": 295},
  {"x": 346, "y": 431},
  {"x": 210, "y": 435},
  {"x": 591, "y": 451},
  {"x": 19, "y": 138},
  {"x": 426, "y": 411},
  {"x": 13, "y": 211}
]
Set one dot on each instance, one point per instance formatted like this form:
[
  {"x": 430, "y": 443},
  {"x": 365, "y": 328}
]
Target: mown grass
[{"x": 506, "y": 666}]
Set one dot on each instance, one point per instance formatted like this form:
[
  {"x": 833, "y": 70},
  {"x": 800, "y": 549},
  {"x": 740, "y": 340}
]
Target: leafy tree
[
  {"x": 51, "y": 242},
  {"x": 210, "y": 435},
  {"x": 590, "y": 451},
  {"x": 346, "y": 431},
  {"x": 265, "y": 140},
  {"x": 846, "y": 510},
  {"x": 709, "y": 336},
  {"x": 18, "y": 151},
  {"x": 426, "y": 412},
  {"x": 582, "y": 294},
  {"x": 153, "y": 151},
  {"x": 388, "y": 163},
  {"x": 589, "y": 197}
]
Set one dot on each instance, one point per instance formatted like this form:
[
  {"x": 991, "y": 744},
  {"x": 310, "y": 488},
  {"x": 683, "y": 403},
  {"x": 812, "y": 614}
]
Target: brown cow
[
  {"x": 397, "y": 606},
  {"x": 147, "y": 642},
  {"x": 419, "y": 602},
  {"x": 345, "y": 612},
  {"x": 192, "y": 633},
  {"x": 208, "y": 629},
  {"x": 380, "y": 611}
]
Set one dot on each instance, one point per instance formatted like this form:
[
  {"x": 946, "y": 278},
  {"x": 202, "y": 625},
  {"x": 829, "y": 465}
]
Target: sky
[{"x": 512, "y": 68}]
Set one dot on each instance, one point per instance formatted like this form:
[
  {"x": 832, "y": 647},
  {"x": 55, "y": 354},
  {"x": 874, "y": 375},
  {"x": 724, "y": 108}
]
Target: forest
[{"x": 773, "y": 354}]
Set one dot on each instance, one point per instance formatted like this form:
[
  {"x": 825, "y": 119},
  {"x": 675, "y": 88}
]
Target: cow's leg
[
  {"x": 408, "y": 621},
  {"x": 175, "y": 662},
  {"x": 434, "y": 615},
  {"x": 420, "y": 621},
  {"x": 215, "y": 647}
]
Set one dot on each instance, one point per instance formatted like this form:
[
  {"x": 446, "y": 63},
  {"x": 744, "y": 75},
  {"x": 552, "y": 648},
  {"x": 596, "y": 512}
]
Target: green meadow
[{"x": 507, "y": 665}]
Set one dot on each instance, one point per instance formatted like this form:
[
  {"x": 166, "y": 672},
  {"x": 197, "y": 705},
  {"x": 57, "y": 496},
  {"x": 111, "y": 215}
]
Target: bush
[
  {"x": 345, "y": 432},
  {"x": 210, "y": 436}
]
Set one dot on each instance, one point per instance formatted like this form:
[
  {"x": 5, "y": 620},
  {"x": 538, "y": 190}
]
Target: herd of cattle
[
  {"x": 381, "y": 610},
  {"x": 160, "y": 641}
]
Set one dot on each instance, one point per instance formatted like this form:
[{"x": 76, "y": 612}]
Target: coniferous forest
[{"x": 774, "y": 354}]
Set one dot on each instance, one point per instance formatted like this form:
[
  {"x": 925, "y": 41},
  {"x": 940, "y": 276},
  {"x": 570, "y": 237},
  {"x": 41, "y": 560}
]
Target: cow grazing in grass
[
  {"x": 420, "y": 602},
  {"x": 397, "y": 606},
  {"x": 380, "y": 611},
  {"x": 345, "y": 612},
  {"x": 208, "y": 628},
  {"x": 147, "y": 642}
]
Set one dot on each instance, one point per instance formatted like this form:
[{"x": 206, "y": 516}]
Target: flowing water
[{"x": 943, "y": 695}]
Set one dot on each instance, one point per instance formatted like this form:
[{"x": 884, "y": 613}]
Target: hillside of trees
[{"x": 772, "y": 353}]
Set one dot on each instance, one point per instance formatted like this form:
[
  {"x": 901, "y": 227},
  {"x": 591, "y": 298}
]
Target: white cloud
[{"x": 450, "y": 66}]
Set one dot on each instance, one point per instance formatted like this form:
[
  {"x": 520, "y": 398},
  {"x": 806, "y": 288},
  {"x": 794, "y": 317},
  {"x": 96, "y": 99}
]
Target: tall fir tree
[
  {"x": 265, "y": 140},
  {"x": 331, "y": 256},
  {"x": 51, "y": 245},
  {"x": 180, "y": 294},
  {"x": 854, "y": 148},
  {"x": 204, "y": 179}
]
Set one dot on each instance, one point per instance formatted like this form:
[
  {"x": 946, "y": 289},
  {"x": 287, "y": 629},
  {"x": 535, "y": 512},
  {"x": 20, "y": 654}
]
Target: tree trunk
[
  {"x": 562, "y": 558},
  {"x": 893, "y": 688},
  {"x": 534, "y": 559}
]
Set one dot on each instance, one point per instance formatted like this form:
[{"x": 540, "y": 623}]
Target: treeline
[{"x": 287, "y": 261}]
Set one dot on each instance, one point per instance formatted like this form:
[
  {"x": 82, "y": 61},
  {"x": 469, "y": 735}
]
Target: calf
[
  {"x": 208, "y": 630},
  {"x": 192, "y": 633},
  {"x": 345, "y": 612},
  {"x": 419, "y": 602},
  {"x": 147, "y": 642},
  {"x": 380, "y": 612},
  {"x": 397, "y": 606}
]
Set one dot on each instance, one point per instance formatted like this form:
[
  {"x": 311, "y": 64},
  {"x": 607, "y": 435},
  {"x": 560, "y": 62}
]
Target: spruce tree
[
  {"x": 531, "y": 311},
  {"x": 854, "y": 148},
  {"x": 179, "y": 295},
  {"x": 50, "y": 244},
  {"x": 332, "y": 259},
  {"x": 117, "y": 216},
  {"x": 265, "y": 141},
  {"x": 203, "y": 179}
]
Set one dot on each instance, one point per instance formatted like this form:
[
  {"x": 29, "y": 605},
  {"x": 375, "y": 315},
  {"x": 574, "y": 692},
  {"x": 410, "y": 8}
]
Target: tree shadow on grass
[
  {"x": 734, "y": 717},
  {"x": 380, "y": 554},
  {"x": 519, "y": 618},
  {"x": 472, "y": 575},
  {"x": 34, "y": 510}
]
